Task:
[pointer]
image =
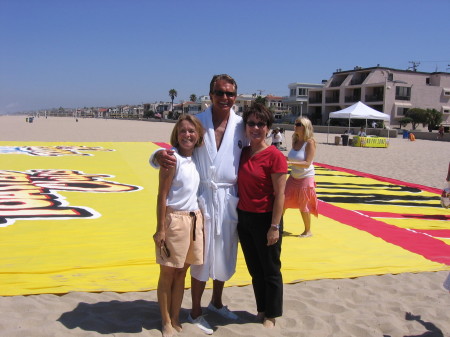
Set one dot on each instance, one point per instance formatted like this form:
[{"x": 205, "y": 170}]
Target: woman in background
[{"x": 300, "y": 190}]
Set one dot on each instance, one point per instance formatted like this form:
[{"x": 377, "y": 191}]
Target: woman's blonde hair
[
  {"x": 309, "y": 131},
  {"x": 197, "y": 125}
]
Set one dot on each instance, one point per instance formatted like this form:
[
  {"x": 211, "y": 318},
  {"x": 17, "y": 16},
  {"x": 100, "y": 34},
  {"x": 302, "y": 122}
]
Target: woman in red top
[{"x": 261, "y": 181}]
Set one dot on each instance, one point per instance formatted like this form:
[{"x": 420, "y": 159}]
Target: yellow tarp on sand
[{"x": 80, "y": 217}]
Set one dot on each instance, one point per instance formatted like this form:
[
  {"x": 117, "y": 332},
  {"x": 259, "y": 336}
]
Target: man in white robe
[{"x": 218, "y": 163}]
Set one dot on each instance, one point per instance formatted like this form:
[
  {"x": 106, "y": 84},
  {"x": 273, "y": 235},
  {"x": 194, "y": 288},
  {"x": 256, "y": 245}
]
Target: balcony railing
[
  {"x": 331, "y": 99},
  {"x": 374, "y": 98},
  {"x": 350, "y": 99},
  {"x": 314, "y": 100},
  {"x": 403, "y": 98}
]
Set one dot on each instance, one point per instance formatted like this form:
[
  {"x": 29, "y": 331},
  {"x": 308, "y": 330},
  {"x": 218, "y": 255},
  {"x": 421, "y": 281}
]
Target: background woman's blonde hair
[
  {"x": 309, "y": 131},
  {"x": 197, "y": 125}
]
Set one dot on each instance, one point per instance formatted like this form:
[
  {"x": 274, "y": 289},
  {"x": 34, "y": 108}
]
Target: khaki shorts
[{"x": 184, "y": 239}]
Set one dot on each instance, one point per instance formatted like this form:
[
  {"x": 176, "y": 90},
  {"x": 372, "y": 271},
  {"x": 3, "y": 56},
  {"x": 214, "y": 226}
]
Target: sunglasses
[
  {"x": 259, "y": 124},
  {"x": 298, "y": 124},
  {"x": 165, "y": 250},
  {"x": 220, "y": 93}
]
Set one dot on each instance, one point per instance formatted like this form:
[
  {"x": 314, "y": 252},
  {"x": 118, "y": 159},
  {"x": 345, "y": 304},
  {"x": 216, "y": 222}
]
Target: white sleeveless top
[
  {"x": 300, "y": 172},
  {"x": 182, "y": 195}
]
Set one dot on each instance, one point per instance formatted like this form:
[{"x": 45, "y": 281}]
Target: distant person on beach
[
  {"x": 179, "y": 233},
  {"x": 277, "y": 139},
  {"x": 441, "y": 132},
  {"x": 218, "y": 163},
  {"x": 361, "y": 132},
  {"x": 261, "y": 183},
  {"x": 301, "y": 185}
]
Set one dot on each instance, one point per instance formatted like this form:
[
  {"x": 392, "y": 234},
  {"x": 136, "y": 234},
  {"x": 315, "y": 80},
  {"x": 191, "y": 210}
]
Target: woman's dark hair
[{"x": 261, "y": 112}]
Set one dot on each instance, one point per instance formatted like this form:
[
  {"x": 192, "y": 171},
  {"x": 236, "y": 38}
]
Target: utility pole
[
  {"x": 414, "y": 65},
  {"x": 260, "y": 91}
]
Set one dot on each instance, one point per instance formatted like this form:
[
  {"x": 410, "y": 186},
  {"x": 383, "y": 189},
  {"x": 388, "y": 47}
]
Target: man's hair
[
  {"x": 197, "y": 125},
  {"x": 261, "y": 112},
  {"x": 224, "y": 77}
]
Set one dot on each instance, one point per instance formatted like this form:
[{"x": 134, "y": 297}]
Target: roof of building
[{"x": 386, "y": 68}]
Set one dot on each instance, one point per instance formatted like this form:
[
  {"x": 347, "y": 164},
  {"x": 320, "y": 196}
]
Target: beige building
[
  {"x": 391, "y": 91},
  {"x": 297, "y": 101}
]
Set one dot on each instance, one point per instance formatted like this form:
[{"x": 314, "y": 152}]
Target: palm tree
[
  {"x": 172, "y": 93},
  {"x": 193, "y": 98}
]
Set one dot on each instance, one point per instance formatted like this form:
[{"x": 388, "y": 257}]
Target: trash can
[
  {"x": 337, "y": 140},
  {"x": 405, "y": 134},
  {"x": 344, "y": 140}
]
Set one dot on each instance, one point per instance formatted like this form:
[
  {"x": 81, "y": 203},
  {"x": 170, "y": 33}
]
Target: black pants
[{"x": 263, "y": 262}]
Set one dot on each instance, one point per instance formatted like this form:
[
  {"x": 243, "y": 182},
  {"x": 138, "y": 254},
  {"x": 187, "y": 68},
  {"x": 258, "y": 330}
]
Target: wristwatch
[{"x": 275, "y": 227}]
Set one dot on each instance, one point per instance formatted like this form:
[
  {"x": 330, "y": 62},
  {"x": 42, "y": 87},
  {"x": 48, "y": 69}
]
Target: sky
[{"x": 93, "y": 53}]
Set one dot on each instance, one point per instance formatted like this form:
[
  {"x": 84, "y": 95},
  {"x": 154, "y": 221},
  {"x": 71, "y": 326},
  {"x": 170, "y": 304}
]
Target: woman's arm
[
  {"x": 279, "y": 183},
  {"x": 165, "y": 181}
]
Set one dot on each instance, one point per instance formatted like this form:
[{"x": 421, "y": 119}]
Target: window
[
  {"x": 403, "y": 93},
  {"x": 390, "y": 77},
  {"x": 427, "y": 80},
  {"x": 302, "y": 92},
  {"x": 402, "y": 111}
]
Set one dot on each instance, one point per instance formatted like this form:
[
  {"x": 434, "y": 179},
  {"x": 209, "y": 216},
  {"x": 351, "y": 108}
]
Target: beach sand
[{"x": 387, "y": 305}]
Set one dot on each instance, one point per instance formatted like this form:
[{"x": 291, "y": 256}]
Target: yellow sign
[{"x": 370, "y": 141}]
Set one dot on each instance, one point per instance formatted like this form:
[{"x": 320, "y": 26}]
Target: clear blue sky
[{"x": 76, "y": 53}]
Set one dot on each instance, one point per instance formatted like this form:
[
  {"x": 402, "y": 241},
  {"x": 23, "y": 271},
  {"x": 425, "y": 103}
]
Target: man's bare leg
[
  {"x": 216, "y": 299},
  {"x": 197, "y": 289}
]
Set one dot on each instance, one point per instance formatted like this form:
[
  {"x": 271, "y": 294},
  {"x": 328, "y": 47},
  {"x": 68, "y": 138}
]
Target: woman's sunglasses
[
  {"x": 298, "y": 124},
  {"x": 259, "y": 124},
  {"x": 220, "y": 93}
]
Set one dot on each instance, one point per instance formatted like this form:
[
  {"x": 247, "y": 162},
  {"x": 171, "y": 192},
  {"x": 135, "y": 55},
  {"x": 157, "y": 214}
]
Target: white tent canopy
[{"x": 358, "y": 111}]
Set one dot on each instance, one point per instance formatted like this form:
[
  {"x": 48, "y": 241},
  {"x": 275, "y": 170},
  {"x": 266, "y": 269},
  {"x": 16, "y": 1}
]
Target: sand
[{"x": 387, "y": 305}]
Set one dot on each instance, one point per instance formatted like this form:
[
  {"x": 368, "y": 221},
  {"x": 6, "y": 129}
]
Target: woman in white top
[
  {"x": 300, "y": 192},
  {"x": 179, "y": 234}
]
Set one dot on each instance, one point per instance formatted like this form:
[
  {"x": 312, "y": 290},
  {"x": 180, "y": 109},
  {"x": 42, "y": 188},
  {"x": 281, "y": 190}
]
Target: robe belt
[{"x": 216, "y": 204}]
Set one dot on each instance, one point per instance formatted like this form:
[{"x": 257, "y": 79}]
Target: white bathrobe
[{"x": 218, "y": 196}]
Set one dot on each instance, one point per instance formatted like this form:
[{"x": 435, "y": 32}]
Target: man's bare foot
[
  {"x": 269, "y": 323},
  {"x": 177, "y": 326},
  {"x": 260, "y": 316},
  {"x": 167, "y": 330}
]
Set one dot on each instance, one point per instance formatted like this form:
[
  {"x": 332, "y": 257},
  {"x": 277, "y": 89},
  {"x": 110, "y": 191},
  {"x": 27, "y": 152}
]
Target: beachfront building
[
  {"x": 297, "y": 101},
  {"x": 243, "y": 103},
  {"x": 388, "y": 90},
  {"x": 191, "y": 108},
  {"x": 277, "y": 105}
]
